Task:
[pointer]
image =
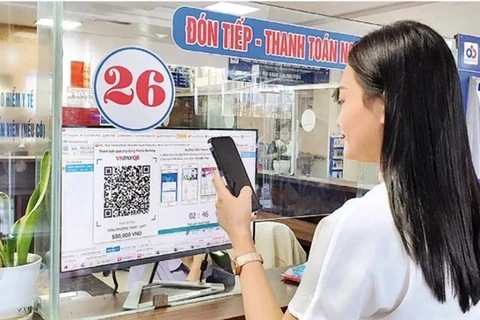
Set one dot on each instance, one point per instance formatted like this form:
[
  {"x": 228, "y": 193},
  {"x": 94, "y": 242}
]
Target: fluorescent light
[
  {"x": 232, "y": 8},
  {"x": 22, "y": 34},
  {"x": 70, "y": 25},
  {"x": 161, "y": 36},
  {"x": 66, "y": 25}
]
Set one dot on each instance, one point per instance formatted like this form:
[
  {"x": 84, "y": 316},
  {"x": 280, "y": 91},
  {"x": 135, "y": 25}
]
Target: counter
[
  {"x": 231, "y": 307},
  {"x": 301, "y": 196},
  {"x": 333, "y": 184}
]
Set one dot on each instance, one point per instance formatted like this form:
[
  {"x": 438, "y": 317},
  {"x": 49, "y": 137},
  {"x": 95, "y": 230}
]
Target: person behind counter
[
  {"x": 282, "y": 148},
  {"x": 410, "y": 247},
  {"x": 183, "y": 269},
  {"x": 280, "y": 151}
]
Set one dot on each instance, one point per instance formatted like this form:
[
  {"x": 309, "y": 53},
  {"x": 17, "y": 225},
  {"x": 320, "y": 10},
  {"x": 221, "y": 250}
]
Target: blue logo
[{"x": 471, "y": 52}]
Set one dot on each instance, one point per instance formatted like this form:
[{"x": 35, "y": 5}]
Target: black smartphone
[{"x": 230, "y": 166}]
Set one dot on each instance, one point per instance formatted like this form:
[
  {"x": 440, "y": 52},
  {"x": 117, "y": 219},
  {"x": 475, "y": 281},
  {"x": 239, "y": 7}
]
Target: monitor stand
[{"x": 222, "y": 278}]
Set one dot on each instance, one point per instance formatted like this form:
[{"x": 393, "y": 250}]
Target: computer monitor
[{"x": 137, "y": 198}]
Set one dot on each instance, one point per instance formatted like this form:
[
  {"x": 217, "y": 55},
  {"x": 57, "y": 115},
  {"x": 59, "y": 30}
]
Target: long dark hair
[{"x": 425, "y": 158}]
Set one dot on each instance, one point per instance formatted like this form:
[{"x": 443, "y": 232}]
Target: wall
[
  {"x": 345, "y": 26},
  {"x": 315, "y": 141}
]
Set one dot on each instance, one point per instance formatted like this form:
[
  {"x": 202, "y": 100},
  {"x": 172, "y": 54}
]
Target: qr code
[{"x": 126, "y": 191}]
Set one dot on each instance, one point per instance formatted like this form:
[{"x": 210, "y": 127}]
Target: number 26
[{"x": 150, "y": 94}]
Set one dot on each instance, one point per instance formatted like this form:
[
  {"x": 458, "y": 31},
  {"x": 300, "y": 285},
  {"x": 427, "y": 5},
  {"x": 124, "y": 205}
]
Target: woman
[
  {"x": 184, "y": 269},
  {"x": 283, "y": 146},
  {"x": 410, "y": 247},
  {"x": 281, "y": 150}
]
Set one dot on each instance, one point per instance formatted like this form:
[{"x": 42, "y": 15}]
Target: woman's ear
[{"x": 378, "y": 108}]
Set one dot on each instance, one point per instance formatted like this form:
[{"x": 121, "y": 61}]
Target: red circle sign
[{"x": 134, "y": 89}]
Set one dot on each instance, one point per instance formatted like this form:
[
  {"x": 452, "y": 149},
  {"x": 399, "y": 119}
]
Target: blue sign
[
  {"x": 468, "y": 53},
  {"x": 468, "y": 62},
  {"x": 335, "y": 167},
  {"x": 211, "y": 32},
  {"x": 275, "y": 73},
  {"x": 181, "y": 76}
]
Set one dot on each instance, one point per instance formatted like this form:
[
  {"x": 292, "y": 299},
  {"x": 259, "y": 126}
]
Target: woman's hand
[
  {"x": 234, "y": 214},
  {"x": 195, "y": 262}
]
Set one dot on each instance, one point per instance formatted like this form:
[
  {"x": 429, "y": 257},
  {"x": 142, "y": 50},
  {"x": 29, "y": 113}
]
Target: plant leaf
[
  {"x": 24, "y": 228},
  {"x": 24, "y": 238},
  {"x": 2, "y": 258},
  {"x": 10, "y": 251},
  {"x": 47, "y": 200},
  {"x": 35, "y": 195},
  {"x": 7, "y": 252}
]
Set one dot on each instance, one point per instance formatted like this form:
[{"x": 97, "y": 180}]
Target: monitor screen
[{"x": 134, "y": 198}]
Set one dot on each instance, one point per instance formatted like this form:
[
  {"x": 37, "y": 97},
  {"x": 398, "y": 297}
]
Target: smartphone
[
  {"x": 231, "y": 167},
  {"x": 169, "y": 186},
  {"x": 207, "y": 189},
  {"x": 189, "y": 184}
]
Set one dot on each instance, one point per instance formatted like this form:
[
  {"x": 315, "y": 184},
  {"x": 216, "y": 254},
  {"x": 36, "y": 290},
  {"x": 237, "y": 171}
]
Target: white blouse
[{"x": 359, "y": 269}]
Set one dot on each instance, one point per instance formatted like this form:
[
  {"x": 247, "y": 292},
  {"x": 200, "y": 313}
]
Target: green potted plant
[{"x": 19, "y": 269}]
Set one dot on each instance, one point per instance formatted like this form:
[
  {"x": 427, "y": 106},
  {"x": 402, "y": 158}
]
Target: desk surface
[{"x": 212, "y": 309}]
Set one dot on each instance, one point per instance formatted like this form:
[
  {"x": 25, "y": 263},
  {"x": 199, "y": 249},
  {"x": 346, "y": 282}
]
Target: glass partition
[
  {"x": 50, "y": 51},
  {"x": 300, "y": 165},
  {"x": 27, "y": 241}
]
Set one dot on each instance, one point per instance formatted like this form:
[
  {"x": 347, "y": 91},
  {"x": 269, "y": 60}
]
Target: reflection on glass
[
  {"x": 25, "y": 130},
  {"x": 281, "y": 150},
  {"x": 300, "y": 172}
]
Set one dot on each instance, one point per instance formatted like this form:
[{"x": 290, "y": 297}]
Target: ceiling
[
  {"x": 345, "y": 9},
  {"x": 448, "y": 18},
  {"x": 129, "y": 19},
  {"x": 147, "y": 19}
]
